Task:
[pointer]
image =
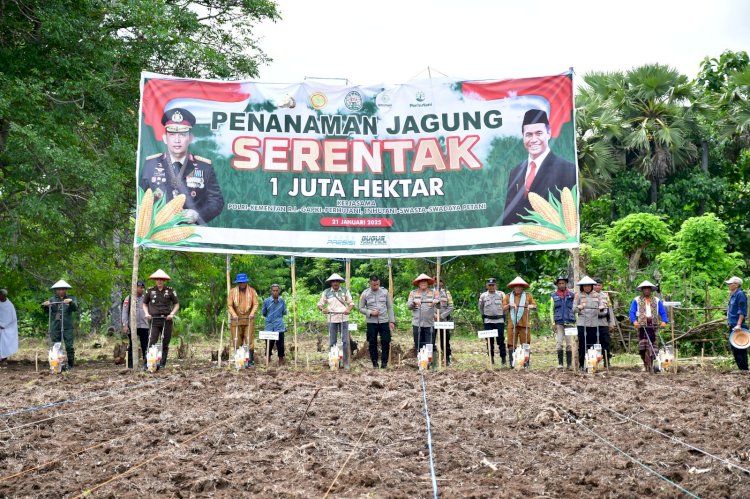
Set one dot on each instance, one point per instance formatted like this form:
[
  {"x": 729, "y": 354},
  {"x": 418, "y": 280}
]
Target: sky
[{"x": 395, "y": 41}]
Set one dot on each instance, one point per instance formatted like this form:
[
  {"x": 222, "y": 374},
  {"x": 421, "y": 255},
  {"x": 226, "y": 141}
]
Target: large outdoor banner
[{"x": 434, "y": 167}]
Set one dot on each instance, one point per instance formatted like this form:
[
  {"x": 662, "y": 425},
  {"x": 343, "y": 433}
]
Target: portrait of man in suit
[{"x": 542, "y": 172}]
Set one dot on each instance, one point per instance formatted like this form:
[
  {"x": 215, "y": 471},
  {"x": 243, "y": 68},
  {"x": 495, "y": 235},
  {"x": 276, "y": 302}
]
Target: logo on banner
[
  {"x": 373, "y": 241},
  {"x": 341, "y": 241},
  {"x": 318, "y": 100},
  {"x": 384, "y": 100},
  {"x": 353, "y": 101},
  {"x": 420, "y": 97}
]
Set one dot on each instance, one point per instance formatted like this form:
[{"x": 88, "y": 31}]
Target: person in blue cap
[
  {"x": 736, "y": 315},
  {"x": 141, "y": 323},
  {"x": 177, "y": 171},
  {"x": 242, "y": 304}
]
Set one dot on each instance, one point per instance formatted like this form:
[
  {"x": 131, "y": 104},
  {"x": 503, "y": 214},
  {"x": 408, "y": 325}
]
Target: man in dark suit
[{"x": 542, "y": 172}]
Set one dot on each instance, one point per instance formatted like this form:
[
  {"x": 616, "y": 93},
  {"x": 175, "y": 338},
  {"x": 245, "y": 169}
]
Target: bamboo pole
[
  {"x": 294, "y": 311},
  {"x": 390, "y": 279},
  {"x": 674, "y": 350},
  {"x": 489, "y": 353},
  {"x": 348, "y": 277},
  {"x": 441, "y": 333},
  {"x": 133, "y": 315},
  {"x": 229, "y": 317}
]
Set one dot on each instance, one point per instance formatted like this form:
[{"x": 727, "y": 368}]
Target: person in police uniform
[
  {"x": 160, "y": 305},
  {"x": 177, "y": 171},
  {"x": 493, "y": 317}
]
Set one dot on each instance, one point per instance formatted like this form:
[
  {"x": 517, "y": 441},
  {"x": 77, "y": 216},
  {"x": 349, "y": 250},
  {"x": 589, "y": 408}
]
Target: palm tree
[
  {"x": 657, "y": 107},
  {"x": 598, "y": 132}
]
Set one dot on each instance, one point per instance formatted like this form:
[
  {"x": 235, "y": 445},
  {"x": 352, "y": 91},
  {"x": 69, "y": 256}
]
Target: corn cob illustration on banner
[
  {"x": 552, "y": 221},
  {"x": 162, "y": 223}
]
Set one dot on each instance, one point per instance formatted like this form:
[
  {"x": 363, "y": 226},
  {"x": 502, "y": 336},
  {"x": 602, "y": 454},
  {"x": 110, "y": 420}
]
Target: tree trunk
[
  {"x": 654, "y": 191},
  {"x": 633, "y": 264},
  {"x": 115, "y": 295}
]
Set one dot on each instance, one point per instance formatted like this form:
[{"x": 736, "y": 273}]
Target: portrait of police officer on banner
[{"x": 178, "y": 171}]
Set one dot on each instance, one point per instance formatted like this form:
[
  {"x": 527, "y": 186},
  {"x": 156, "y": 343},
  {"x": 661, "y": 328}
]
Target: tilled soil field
[{"x": 201, "y": 432}]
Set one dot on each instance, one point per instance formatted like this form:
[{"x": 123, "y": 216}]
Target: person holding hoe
[
  {"x": 60, "y": 308},
  {"x": 422, "y": 302},
  {"x": 160, "y": 305},
  {"x": 587, "y": 305},
  {"x": 242, "y": 303},
  {"x": 518, "y": 305},
  {"x": 336, "y": 302},
  {"x": 646, "y": 314}
]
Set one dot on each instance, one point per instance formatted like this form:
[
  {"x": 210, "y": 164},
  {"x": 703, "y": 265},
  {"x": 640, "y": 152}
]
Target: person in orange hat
[
  {"x": 422, "y": 302},
  {"x": 518, "y": 304},
  {"x": 242, "y": 303},
  {"x": 177, "y": 171},
  {"x": 160, "y": 305}
]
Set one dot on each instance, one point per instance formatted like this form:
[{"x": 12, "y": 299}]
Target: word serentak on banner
[{"x": 434, "y": 167}]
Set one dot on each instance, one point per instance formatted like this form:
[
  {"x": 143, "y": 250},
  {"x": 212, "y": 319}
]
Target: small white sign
[
  {"x": 352, "y": 326},
  {"x": 672, "y": 303},
  {"x": 487, "y": 333},
  {"x": 269, "y": 335},
  {"x": 571, "y": 331},
  {"x": 444, "y": 325}
]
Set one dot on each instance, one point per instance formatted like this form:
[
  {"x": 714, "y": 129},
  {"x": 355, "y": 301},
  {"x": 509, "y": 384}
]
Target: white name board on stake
[
  {"x": 444, "y": 325},
  {"x": 352, "y": 326},
  {"x": 269, "y": 335},
  {"x": 487, "y": 333},
  {"x": 571, "y": 331},
  {"x": 672, "y": 303}
]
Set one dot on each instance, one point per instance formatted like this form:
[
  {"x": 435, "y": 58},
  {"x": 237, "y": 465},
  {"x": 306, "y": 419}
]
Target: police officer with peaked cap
[{"x": 177, "y": 171}]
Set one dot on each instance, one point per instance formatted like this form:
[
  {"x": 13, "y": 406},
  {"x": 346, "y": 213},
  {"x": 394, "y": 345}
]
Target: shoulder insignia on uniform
[
  {"x": 153, "y": 156},
  {"x": 202, "y": 159}
]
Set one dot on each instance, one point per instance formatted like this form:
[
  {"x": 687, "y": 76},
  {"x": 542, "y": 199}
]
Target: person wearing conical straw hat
[
  {"x": 645, "y": 314},
  {"x": 60, "y": 309},
  {"x": 587, "y": 305},
  {"x": 242, "y": 303},
  {"x": 161, "y": 305},
  {"x": 422, "y": 302},
  {"x": 518, "y": 304},
  {"x": 336, "y": 302},
  {"x": 736, "y": 315}
]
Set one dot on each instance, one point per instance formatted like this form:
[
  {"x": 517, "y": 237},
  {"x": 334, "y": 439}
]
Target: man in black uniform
[
  {"x": 60, "y": 308},
  {"x": 160, "y": 305},
  {"x": 178, "y": 172}
]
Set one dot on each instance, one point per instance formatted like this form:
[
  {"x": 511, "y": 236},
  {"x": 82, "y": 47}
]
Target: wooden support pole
[
  {"x": 441, "y": 333},
  {"x": 294, "y": 311},
  {"x": 674, "y": 350},
  {"x": 489, "y": 353},
  {"x": 348, "y": 274},
  {"x": 229, "y": 317},
  {"x": 391, "y": 286},
  {"x": 133, "y": 315}
]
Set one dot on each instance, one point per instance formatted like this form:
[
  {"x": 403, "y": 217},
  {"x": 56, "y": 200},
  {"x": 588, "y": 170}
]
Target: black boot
[
  {"x": 71, "y": 359},
  {"x": 375, "y": 363},
  {"x": 569, "y": 359},
  {"x": 560, "y": 359},
  {"x": 164, "y": 355},
  {"x": 251, "y": 361}
]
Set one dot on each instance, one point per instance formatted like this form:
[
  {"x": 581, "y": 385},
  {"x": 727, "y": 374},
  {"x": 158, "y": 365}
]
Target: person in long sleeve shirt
[
  {"x": 336, "y": 302},
  {"x": 493, "y": 317},
  {"x": 645, "y": 312},
  {"x": 375, "y": 304},
  {"x": 141, "y": 323},
  {"x": 274, "y": 310},
  {"x": 242, "y": 304},
  {"x": 422, "y": 302},
  {"x": 736, "y": 315}
]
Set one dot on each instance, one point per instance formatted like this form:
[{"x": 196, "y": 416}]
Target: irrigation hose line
[
  {"x": 35, "y": 408},
  {"x": 429, "y": 438},
  {"x": 92, "y": 409},
  {"x": 670, "y": 437},
  {"x": 634, "y": 460},
  {"x": 116, "y": 477},
  {"x": 356, "y": 445},
  {"x": 580, "y": 423}
]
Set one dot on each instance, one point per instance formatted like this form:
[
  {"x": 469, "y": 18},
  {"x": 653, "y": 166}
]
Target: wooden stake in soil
[
  {"x": 489, "y": 353},
  {"x": 221, "y": 343},
  {"x": 294, "y": 313},
  {"x": 36, "y": 361},
  {"x": 440, "y": 332},
  {"x": 133, "y": 315}
]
